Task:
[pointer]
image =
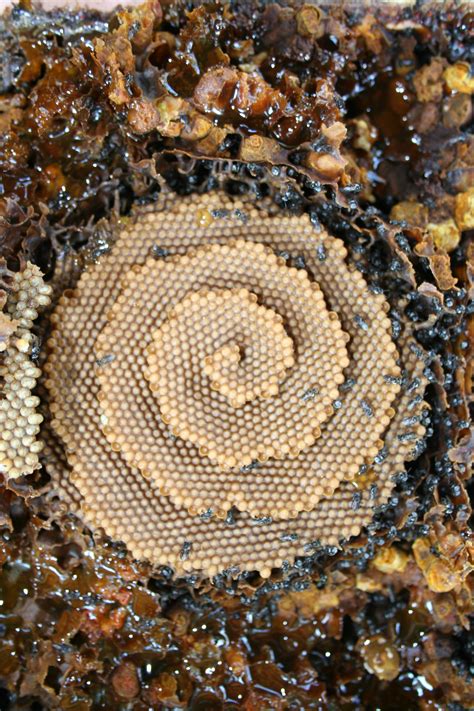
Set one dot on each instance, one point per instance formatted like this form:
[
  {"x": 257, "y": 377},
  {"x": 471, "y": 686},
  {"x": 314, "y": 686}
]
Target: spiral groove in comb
[
  {"x": 221, "y": 407},
  {"x": 196, "y": 325}
]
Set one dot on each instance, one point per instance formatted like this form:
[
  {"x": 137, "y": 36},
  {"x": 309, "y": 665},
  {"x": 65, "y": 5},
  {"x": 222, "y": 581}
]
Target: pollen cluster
[
  {"x": 19, "y": 421},
  {"x": 228, "y": 389}
]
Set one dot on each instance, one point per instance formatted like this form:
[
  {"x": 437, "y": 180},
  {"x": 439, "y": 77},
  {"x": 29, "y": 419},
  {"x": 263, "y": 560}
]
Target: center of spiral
[
  {"x": 252, "y": 366},
  {"x": 225, "y": 374}
]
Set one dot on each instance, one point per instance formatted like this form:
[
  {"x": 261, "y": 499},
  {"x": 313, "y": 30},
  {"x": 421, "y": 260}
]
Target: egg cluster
[{"x": 228, "y": 389}]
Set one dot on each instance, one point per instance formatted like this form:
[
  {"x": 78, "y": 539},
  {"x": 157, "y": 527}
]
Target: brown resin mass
[{"x": 226, "y": 355}]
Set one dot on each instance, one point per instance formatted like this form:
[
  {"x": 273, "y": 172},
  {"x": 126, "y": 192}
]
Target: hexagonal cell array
[{"x": 227, "y": 389}]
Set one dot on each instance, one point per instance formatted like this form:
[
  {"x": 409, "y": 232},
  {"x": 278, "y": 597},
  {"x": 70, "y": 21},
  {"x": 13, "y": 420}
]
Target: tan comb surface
[
  {"x": 303, "y": 497},
  {"x": 196, "y": 324},
  {"x": 263, "y": 343}
]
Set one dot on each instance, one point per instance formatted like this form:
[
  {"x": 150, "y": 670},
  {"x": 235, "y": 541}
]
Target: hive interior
[
  {"x": 81, "y": 619},
  {"x": 163, "y": 459}
]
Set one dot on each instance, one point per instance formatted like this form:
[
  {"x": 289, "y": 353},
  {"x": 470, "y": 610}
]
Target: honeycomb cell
[{"x": 223, "y": 402}]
